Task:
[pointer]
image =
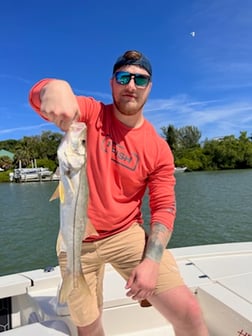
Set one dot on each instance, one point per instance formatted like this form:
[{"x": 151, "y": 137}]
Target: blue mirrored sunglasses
[{"x": 123, "y": 78}]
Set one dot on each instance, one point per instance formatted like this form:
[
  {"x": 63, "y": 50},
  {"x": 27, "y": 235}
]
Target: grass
[{"x": 4, "y": 176}]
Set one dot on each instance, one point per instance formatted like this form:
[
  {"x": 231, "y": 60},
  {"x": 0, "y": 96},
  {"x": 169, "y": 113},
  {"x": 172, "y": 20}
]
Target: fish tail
[{"x": 73, "y": 284}]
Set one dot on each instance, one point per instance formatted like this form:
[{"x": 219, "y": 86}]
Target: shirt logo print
[{"x": 119, "y": 154}]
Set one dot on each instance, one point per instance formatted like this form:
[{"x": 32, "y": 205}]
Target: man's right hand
[{"x": 59, "y": 104}]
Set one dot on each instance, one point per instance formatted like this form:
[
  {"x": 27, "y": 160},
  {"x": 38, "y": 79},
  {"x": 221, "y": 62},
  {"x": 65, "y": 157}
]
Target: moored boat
[
  {"x": 33, "y": 174},
  {"x": 180, "y": 169},
  {"x": 30, "y": 174},
  {"x": 219, "y": 275}
]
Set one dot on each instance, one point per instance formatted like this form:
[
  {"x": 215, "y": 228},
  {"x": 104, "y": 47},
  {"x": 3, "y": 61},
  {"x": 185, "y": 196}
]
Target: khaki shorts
[{"x": 123, "y": 251}]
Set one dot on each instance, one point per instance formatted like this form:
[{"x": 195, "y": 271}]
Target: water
[
  {"x": 28, "y": 226},
  {"x": 213, "y": 207}
]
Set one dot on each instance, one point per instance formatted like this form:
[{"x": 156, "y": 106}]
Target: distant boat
[
  {"x": 30, "y": 174},
  {"x": 180, "y": 169},
  {"x": 33, "y": 174}
]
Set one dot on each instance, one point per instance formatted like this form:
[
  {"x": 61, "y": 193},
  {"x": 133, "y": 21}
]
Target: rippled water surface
[{"x": 212, "y": 207}]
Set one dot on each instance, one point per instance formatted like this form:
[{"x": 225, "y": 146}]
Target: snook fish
[{"x": 73, "y": 194}]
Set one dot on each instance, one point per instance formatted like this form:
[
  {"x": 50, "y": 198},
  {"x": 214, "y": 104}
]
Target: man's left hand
[{"x": 143, "y": 279}]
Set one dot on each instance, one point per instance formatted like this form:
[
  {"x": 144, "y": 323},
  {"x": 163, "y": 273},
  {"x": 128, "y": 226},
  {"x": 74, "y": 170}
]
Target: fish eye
[{"x": 68, "y": 172}]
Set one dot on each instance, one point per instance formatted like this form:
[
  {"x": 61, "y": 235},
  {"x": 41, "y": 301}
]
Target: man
[{"x": 125, "y": 155}]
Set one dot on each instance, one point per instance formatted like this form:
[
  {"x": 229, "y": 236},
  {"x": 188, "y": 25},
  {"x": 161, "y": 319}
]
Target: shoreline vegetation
[{"x": 222, "y": 153}]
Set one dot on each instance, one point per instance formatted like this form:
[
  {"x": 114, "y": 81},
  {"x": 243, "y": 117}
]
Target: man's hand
[
  {"x": 143, "y": 279},
  {"x": 59, "y": 104}
]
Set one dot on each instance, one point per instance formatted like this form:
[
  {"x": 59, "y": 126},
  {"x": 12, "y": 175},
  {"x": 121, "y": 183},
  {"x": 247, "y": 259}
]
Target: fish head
[{"x": 72, "y": 150}]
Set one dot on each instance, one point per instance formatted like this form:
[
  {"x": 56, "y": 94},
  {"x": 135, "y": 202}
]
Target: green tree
[
  {"x": 47, "y": 163},
  {"x": 228, "y": 148},
  {"x": 9, "y": 145},
  {"x": 181, "y": 138},
  {"x": 5, "y": 162},
  {"x": 22, "y": 154},
  {"x": 188, "y": 137},
  {"x": 49, "y": 144},
  {"x": 170, "y": 135},
  {"x": 244, "y": 159},
  {"x": 37, "y": 147},
  {"x": 210, "y": 151},
  {"x": 224, "y": 153}
]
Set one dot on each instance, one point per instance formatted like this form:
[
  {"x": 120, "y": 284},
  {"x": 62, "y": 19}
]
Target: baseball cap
[{"x": 133, "y": 57}]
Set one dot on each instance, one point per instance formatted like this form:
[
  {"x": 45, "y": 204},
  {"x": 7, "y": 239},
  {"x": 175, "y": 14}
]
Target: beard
[{"x": 128, "y": 108}]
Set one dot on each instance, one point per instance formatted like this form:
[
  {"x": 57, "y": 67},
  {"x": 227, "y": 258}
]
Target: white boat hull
[
  {"x": 219, "y": 275},
  {"x": 180, "y": 169}
]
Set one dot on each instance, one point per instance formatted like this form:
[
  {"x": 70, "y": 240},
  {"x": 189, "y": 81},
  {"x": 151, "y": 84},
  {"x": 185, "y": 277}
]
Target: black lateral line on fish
[{"x": 75, "y": 212}]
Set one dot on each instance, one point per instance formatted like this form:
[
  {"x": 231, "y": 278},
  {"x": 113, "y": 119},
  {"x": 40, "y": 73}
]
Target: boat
[
  {"x": 180, "y": 169},
  {"x": 219, "y": 275},
  {"x": 30, "y": 174},
  {"x": 33, "y": 174}
]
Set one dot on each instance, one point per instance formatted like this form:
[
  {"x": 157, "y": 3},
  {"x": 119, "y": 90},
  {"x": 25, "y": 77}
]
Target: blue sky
[{"x": 203, "y": 81}]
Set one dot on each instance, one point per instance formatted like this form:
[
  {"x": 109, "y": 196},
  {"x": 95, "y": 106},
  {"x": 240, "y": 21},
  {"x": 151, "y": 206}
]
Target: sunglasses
[{"x": 123, "y": 78}]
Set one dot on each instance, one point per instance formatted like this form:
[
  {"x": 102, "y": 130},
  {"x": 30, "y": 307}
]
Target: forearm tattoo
[{"x": 157, "y": 241}]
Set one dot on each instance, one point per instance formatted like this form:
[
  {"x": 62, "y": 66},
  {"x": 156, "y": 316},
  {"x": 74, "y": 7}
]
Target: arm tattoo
[{"x": 157, "y": 242}]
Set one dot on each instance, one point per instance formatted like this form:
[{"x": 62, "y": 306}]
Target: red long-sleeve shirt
[{"x": 121, "y": 163}]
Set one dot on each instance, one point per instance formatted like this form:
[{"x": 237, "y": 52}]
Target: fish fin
[
  {"x": 55, "y": 194},
  {"x": 90, "y": 230},
  {"x": 73, "y": 284},
  {"x": 61, "y": 192}
]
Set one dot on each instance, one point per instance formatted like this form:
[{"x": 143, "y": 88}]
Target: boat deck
[{"x": 219, "y": 275}]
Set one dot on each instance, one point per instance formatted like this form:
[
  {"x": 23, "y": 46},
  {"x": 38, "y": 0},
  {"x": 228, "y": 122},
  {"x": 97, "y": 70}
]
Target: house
[{"x": 4, "y": 152}]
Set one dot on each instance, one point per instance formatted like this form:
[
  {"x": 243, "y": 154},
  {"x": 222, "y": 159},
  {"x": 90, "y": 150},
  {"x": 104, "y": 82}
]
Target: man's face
[{"x": 130, "y": 98}]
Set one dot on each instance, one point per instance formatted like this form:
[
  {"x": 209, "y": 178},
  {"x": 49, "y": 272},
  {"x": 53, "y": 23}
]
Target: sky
[{"x": 202, "y": 79}]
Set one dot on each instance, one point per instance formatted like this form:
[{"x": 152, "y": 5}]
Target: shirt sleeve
[
  {"x": 89, "y": 107},
  {"x": 34, "y": 95},
  {"x": 161, "y": 190}
]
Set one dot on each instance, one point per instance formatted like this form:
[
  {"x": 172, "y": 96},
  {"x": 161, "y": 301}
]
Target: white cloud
[
  {"x": 24, "y": 128},
  {"x": 213, "y": 118}
]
